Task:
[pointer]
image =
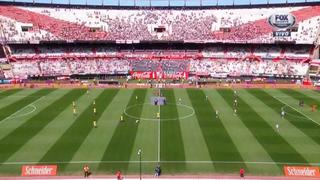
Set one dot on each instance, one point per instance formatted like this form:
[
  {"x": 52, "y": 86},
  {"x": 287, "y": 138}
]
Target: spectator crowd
[
  {"x": 214, "y": 60},
  {"x": 23, "y": 69},
  {"x": 218, "y": 25},
  {"x": 221, "y": 68}
]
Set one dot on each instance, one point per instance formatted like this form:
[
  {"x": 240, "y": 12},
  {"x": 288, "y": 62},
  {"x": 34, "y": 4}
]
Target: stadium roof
[{"x": 164, "y": 3}]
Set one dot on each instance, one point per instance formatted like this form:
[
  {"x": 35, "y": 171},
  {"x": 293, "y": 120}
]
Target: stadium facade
[{"x": 60, "y": 41}]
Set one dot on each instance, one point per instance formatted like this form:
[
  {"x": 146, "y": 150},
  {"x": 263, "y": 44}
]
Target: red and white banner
[
  {"x": 159, "y": 75},
  {"x": 175, "y": 75},
  {"x": 302, "y": 171},
  {"x": 39, "y": 170},
  {"x": 143, "y": 75}
]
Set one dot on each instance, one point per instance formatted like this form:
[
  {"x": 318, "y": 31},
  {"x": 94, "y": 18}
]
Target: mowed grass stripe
[
  {"x": 306, "y": 110},
  {"x": 304, "y": 145},
  {"x": 18, "y": 105},
  {"x": 195, "y": 147},
  {"x": 276, "y": 146},
  {"x": 6, "y": 101},
  {"x": 9, "y": 92},
  {"x": 310, "y": 93},
  {"x": 25, "y": 114},
  {"x": 146, "y": 137},
  {"x": 17, "y": 138},
  {"x": 171, "y": 143},
  {"x": 93, "y": 147},
  {"x": 251, "y": 150},
  {"x": 219, "y": 142},
  {"x": 37, "y": 146},
  {"x": 121, "y": 145},
  {"x": 300, "y": 96},
  {"x": 310, "y": 128},
  {"x": 68, "y": 144}
]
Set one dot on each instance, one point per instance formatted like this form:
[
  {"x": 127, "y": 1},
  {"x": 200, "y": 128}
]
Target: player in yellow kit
[
  {"x": 94, "y": 111},
  {"x": 158, "y": 115},
  {"x": 74, "y": 110},
  {"x": 95, "y": 124}
]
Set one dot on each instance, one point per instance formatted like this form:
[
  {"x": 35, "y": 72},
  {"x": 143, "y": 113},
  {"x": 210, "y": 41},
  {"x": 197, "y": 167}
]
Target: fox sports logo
[{"x": 282, "y": 20}]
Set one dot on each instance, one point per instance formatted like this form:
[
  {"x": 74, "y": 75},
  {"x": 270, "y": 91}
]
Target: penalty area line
[
  {"x": 165, "y": 162},
  {"x": 297, "y": 110},
  {"x": 12, "y": 116}
]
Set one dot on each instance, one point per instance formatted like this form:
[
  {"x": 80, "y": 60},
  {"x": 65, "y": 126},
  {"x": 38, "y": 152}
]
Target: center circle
[{"x": 190, "y": 112}]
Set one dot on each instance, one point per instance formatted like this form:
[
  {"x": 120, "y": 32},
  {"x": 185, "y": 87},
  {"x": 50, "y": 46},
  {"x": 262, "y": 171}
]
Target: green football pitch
[{"x": 37, "y": 126}]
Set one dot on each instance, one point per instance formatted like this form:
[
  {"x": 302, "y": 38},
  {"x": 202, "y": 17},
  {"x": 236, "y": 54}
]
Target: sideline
[{"x": 307, "y": 117}]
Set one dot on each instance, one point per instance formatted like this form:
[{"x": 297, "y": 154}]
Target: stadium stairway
[{"x": 282, "y": 52}]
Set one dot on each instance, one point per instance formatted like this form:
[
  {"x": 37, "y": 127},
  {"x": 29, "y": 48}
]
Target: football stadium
[{"x": 169, "y": 89}]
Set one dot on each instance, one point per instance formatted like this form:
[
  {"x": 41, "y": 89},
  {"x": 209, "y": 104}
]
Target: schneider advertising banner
[
  {"x": 39, "y": 170},
  {"x": 302, "y": 171}
]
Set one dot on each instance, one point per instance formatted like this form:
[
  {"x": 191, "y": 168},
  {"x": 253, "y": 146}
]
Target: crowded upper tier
[
  {"x": 271, "y": 52},
  {"x": 214, "y": 68},
  {"x": 252, "y": 25}
]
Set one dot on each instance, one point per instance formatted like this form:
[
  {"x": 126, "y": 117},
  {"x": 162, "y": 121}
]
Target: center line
[{"x": 159, "y": 124}]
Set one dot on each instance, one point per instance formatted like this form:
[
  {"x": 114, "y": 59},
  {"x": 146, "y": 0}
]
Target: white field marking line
[
  {"x": 10, "y": 117},
  {"x": 13, "y": 96},
  {"x": 156, "y": 119},
  {"x": 292, "y": 115},
  {"x": 25, "y": 114},
  {"x": 169, "y": 162},
  {"x": 131, "y": 178},
  {"x": 159, "y": 124},
  {"x": 285, "y": 97},
  {"x": 297, "y": 110}
]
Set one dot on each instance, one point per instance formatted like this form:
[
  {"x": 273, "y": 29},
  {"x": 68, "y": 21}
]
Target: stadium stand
[
  {"x": 66, "y": 46},
  {"x": 59, "y": 41},
  {"x": 218, "y": 25},
  {"x": 224, "y": 68},
  {"x": 217, "y": 61}
]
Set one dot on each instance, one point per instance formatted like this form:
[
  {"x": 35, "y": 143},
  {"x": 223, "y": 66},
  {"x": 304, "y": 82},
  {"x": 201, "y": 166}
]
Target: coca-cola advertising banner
[
  {"x": 143, "y": 75},
  {"x": 302, "y": 171},
  {"x": 39, "y": 170},
  {"x": 159, "y": 75}
]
